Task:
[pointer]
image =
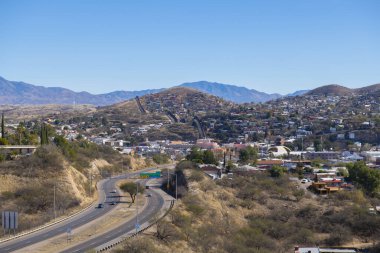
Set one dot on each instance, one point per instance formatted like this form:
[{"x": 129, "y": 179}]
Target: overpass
[{"x": 24, "y": 149}]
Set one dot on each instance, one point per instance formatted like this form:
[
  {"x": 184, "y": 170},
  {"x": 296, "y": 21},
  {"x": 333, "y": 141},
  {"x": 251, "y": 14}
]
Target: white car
[
  {"x": 113, "y": 191},
  {"x": 304, "y": 181}
]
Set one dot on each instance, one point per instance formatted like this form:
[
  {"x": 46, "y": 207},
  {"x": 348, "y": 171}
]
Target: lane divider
[{"x": 112, "y": 244}]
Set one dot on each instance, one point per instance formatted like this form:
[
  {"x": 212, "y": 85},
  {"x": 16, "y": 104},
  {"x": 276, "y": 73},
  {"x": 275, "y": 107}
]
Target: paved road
[
  {"x": 105, "y": 196},
  {"x": 154, "y": 205}
]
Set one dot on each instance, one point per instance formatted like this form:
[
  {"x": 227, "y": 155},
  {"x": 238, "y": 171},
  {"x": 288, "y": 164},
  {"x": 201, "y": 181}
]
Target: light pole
[
  {"x": 90, "y": 181},
  {"x": 55, "y": 214}
]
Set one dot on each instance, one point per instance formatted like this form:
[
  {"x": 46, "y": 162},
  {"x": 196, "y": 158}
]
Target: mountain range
[
  {"x": 14, "y": 92},
  {"x": 232, "y": 93}
]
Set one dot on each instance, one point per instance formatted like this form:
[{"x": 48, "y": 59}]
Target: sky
[{"x": 272, "y": 46}]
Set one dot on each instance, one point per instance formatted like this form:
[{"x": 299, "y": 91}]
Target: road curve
[
  {"x": 105, "y": 196},
  {"x": 153, "y": 207}
]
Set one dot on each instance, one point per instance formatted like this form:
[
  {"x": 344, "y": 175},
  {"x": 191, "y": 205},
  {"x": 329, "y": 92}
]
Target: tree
[
  {"x": 199, "y": 156},
  {"x": 209, "y": 158},
  {"x": 160, "y": 158},
  {"x": 230, "y": 166},
  {"x": 44, "y": 135},
  {"x": 276, "y": 171},
  {"x": 368, "y": 179},
  {"x": 196, "y": 155},
  {"x": 132, "y": 189},
  {"x": 249, "y": 154},
  {"x": 3, "y": 141},
  {"x": 2, "y": 126}
]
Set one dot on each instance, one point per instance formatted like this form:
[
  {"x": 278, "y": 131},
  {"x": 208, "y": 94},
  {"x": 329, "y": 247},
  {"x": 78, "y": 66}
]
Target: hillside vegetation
[
  {"x": 258, "y": 213},
  {"x": 28, "y": 183}
]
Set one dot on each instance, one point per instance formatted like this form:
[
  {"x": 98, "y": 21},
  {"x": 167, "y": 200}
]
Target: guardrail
[
  {"x": 110, "y": 246},
  {"x": 47, "y": 225}
]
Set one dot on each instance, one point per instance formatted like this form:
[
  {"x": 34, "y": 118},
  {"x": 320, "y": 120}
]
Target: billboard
[{"x": 9, "y": 220}]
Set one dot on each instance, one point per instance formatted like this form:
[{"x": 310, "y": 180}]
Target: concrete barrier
[{"x": 117, "y": 241}]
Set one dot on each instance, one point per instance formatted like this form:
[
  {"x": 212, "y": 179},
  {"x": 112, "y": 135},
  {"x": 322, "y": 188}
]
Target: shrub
[
  {"x": 160, "y": 158},
  {"x": 196, "y": 176}
]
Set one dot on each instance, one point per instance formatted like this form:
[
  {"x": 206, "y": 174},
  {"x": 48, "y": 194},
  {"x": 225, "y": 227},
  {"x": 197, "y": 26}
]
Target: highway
[
  {"x": 105, "y": 196},
  {"x": 155, "y": 203}
]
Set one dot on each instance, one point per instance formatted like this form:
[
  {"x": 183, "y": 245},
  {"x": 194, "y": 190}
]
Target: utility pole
[
  {"x": 55, "y": 214},
  {"x": 176, "y": 184},
  {"x": 167, "y": 186},
  {"x": 137, "y": 208},
  {"x": 122, "y": 164},
  {"x": 90, "y": 182}
]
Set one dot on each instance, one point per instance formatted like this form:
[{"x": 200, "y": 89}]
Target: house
[
  {"x": 324, "y": 155},
  {"x": 267, "y": 164},
  {"x": 278, "y": 151}
]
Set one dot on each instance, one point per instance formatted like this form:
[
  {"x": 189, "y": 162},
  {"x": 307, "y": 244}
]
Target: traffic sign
[{"x": 156, "y": 174}]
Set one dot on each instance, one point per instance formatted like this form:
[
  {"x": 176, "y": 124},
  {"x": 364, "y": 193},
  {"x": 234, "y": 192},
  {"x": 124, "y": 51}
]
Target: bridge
[{"x": 24, "y": 149}]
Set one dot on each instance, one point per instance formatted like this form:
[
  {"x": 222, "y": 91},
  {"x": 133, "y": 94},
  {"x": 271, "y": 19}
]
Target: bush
[
  {"x": 184, "y": 165},
  {"x": 276, "y": 171},
  {"x": 160, "y": 158},
  {"x": 196, "y": 176},
  {"x": 340, "y": 236},
  {"x": 138, "y": 245}
]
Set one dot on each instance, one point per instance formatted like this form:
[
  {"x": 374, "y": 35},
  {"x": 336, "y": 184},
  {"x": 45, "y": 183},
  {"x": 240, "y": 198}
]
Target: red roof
[{"x": 270, "y": 162}]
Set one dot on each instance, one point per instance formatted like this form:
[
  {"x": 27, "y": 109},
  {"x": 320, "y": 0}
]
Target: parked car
[
  {"x": 304, "y": 181},
  {"x": 113, "y": 203},
  {"x": 100, "y": 205},
  {"x": 113, "y": 191},
  {"x": 149, "y": 195}
]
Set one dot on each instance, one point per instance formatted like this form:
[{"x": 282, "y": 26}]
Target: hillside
[
  {"x": 338, "y": 90},
  {"x": 232, "y": 93},
  {"x": 333, "y": 89},
  {"x": 255, "y": 213},
  {"x": 368, "y": 89},
  {"x": 169, "y": 114}
]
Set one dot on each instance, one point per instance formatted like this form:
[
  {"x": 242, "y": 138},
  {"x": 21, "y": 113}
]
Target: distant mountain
[
  {"x": 232, "y": 93},
  {"x": 12, "y": 92},
  {"x": 297, "y": 93},
  {"x": 338, "y": 90}
]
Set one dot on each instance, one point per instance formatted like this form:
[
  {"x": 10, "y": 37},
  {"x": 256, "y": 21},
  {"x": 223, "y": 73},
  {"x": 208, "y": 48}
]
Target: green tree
[
  {"x": 2, "y": 126},
  {"x": 196, "y": 155},
  {"x": 368, "y": 179},
  {"x": 3, "y": 141},
  {"x": 248, "y": 155},
  {"x": 160, "y": 158},
  {"x": 209, "y": 158},
  {"x": 276, "y": 171},
  {"x": 230, "y": 166},
  {"x": 44, "y": 135},
  {"x": 132, "y": 189}
]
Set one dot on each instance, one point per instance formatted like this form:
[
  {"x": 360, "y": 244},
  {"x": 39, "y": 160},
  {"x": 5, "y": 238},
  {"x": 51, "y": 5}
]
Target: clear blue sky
[{"x": 272, "y": 46}]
